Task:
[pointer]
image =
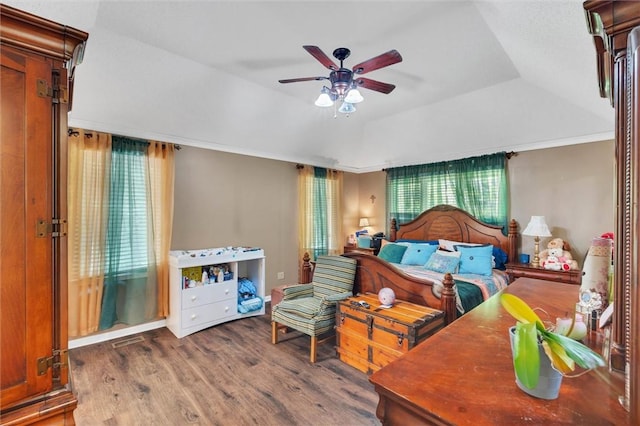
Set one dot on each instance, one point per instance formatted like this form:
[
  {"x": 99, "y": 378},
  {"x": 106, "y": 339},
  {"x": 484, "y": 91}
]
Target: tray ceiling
[{"x": 477, "y": 77}]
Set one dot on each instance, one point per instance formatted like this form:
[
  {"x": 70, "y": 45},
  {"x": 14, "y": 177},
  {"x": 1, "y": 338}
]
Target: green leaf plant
[{"x": 563, "y": 352}]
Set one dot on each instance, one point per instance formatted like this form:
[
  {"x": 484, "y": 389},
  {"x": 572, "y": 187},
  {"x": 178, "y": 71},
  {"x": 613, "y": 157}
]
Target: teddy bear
[{"x": 557, "y": 256}]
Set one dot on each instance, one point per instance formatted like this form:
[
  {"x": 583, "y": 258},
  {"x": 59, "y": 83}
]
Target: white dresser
[{"x": 195, "y": 305}]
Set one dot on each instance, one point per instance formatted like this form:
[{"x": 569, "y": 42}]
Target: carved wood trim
[
  {"x": 617, "y": 45},
  {"x": 631, "y": 251},
  {"x": 25, "y": 31}
]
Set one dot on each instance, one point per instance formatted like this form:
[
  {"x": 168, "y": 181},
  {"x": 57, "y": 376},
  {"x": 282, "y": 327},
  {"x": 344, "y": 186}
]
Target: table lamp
[
  {"x": 364, "y": 222},
  {"x": 537, "y": 228}
]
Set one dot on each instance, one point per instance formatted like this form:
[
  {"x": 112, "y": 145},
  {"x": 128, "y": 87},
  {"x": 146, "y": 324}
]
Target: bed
[{"x": 442, "y": 222}]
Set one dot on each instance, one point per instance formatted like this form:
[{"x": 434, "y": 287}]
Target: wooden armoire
[
  {"x": 615, "y": 26},
  {"x": 38, "y": 60}
]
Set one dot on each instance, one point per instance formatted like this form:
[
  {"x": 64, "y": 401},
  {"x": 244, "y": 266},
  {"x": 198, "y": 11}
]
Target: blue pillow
[
  {"x": 418, "y": 254},
  {"x": 392, "y": 252},
  {"x": 500, "y": 258},
  {"x": 443, "y": 263},
  {"x": 475, "y": 260}
]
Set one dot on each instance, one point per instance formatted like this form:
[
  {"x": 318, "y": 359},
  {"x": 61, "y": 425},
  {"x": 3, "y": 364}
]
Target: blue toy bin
[{"x": 364, "y": 242}]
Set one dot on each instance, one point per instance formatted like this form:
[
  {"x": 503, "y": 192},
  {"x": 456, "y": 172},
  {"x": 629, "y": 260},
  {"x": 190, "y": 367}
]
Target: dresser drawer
[
  {"x": 211, "y": 312},
  {"x": 225, "y": 290},
  {"x": 197, "y": 296}
]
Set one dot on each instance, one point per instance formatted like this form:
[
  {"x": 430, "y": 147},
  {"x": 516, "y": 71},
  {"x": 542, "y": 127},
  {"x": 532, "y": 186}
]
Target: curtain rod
[
  {"x": 508, "y": 155},
  {"x": 72, "y": 132}
]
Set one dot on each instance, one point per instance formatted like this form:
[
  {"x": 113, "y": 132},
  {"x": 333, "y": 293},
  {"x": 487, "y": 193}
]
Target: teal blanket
[{"x": 470, "y": 295}]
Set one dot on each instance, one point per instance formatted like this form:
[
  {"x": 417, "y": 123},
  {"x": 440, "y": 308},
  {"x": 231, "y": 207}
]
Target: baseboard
[
  {"x": 116, "y": 334},
  {"x": 123, "y": 332}
]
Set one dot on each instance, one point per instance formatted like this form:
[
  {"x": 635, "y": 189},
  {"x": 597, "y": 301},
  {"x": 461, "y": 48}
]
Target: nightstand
[
  {"x": 366, "y": 250},
  {"x": 517, "y": 270}
]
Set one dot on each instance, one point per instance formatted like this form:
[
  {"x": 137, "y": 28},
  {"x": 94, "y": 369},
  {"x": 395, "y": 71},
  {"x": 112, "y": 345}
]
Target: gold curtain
[
  {"x": 306, "y": 213},
  {"x": 161, "y": 177},
  {"x": 305, "y": 210},
  {"x": 88, "y": 193},
  {"x": 334, "y": 187},
  {"x": 88, "y": 198}
]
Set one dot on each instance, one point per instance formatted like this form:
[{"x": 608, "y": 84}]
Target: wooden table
[{"x": 464, "y": 375}]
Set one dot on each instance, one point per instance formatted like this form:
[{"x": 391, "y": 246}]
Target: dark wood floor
[{"x": 230, "y": 374}]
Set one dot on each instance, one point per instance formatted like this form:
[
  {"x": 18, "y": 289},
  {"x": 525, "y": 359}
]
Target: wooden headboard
[
  {"x": 440, "y": 222},
  {"x": 452, "y": 223}
]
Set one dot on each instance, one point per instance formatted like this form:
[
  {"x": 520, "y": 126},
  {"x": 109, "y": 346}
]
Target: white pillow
[
  {"x": 449, "y": 253},
  {"x": 450, "y": 245}
]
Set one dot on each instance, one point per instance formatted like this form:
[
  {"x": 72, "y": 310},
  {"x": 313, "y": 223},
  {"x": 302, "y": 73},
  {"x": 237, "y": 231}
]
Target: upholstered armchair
[{"x": 311, "y": 308}]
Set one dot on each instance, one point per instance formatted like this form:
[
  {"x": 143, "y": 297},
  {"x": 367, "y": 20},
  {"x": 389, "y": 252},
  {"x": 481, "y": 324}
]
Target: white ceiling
[{"x": 477, "y": 77}]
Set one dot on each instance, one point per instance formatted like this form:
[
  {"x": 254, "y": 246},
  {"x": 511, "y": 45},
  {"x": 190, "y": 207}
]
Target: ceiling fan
[{"x": 344, "y": 81}]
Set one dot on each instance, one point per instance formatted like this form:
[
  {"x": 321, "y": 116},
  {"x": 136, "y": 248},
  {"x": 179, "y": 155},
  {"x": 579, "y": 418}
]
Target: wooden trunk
[{"x": 369, "y": 339}]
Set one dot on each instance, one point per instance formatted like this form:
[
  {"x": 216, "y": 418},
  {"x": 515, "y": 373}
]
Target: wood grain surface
[
  {"x": 463, "y": 375},
  {"x": 230, "y": 374}
]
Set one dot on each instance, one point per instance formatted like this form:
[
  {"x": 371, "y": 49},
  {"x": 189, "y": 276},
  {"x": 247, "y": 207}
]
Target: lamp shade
[
  {"x": 363, "y": 222},
  {"x": 324, "y": 100},
  {"x": 537, "y": 227},
  {"x": 346, "y": 108},
  {"x": 353, "y": 96}
]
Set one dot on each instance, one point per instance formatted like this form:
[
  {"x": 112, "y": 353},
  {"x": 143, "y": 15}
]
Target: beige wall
[
  {"x": 233, "y": 200},
  {"x": 572, "y": 186},
  {"x": 226, "y": 199},
  {"x": 358, "y": 201}
]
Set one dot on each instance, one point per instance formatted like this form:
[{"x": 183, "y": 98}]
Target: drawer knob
[
  {"x": 193, "y": 298},
  {"x": 193, "y": 316},
  {"x": 226, "y": 291},
  {"x": 226, "y": 308}
]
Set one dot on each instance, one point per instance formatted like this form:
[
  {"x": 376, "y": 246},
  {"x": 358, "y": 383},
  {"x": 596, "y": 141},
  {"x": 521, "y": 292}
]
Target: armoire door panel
[
  {"x": 26, "y": 293},
  {"x": 12, "y": 226}
]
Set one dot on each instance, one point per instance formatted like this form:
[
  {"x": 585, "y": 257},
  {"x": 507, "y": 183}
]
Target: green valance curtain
[{"x": 477, "y": 185}]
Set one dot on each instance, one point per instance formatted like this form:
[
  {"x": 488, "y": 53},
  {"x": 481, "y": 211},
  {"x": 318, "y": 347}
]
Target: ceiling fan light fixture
[
  {"x": 344, "y": 87},
  {"x": 324, "y": 100},
  {"x": 346, "y": 108},
  {"x": 353, "y": 96}
]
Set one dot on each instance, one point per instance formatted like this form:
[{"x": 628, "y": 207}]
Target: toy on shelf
[{"x": 557, "y": 256}]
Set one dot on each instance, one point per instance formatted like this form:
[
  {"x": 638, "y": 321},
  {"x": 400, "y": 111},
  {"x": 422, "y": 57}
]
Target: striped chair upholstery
[{"x": 311, "y": 308}]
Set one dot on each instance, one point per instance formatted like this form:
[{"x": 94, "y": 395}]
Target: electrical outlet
[{"x": 281, "y": 275}]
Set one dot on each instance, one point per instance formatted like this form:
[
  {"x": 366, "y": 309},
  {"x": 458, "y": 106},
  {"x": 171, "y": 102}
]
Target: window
[
  {"x": 477, "y": 185},
  {"x": 127, "y": 232},
  {"x": 320, "y": 211},
  {"x": 120, "y": 215}
]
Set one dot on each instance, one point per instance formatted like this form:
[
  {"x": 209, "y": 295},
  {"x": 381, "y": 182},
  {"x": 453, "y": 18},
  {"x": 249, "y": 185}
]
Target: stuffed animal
[{"x": 557, "y": 256}]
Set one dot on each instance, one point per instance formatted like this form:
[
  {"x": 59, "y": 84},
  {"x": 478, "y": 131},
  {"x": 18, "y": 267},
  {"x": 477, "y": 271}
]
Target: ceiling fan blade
[
  {"x": 380, "y": 61},
  {"x": 294, "y": 80},
  {"x": 317, "y": 53},
  {"x": 378, "y": 86}
]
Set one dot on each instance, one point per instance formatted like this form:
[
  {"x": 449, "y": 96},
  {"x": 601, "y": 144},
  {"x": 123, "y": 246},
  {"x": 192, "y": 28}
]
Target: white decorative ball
[{"x": 386, "y": 296}]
